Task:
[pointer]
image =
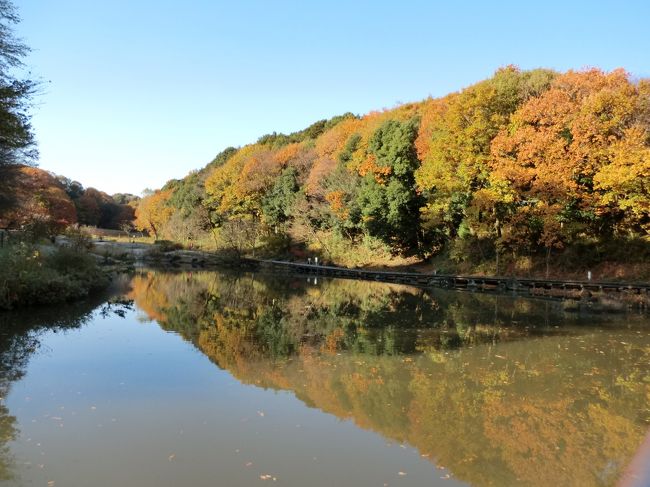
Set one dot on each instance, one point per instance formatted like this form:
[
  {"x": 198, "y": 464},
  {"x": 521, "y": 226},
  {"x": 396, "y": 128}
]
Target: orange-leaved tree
[
  {"x": 40, "y": 201},
  {"x": 153, "y": 213},
  {"x": 455, "y": 159},
  {"x": 564, "y": 153}
]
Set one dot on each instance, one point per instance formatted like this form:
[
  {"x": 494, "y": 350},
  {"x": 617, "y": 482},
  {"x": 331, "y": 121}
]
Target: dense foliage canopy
[
  {"x": 16, "y": 137},
  {"x": 524, "y": 162}
]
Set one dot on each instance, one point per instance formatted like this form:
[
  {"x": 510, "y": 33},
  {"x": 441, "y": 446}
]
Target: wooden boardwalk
[{"x": 482, "y": 283}]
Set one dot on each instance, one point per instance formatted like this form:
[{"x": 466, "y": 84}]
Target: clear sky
[{"x": 140, "y": 91}]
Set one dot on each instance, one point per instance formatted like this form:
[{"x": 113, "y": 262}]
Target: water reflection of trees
[
  {"x": 20, "y": 334},
  {"x": 278, "y": 316},
  {"x": 486, "y": 386}
]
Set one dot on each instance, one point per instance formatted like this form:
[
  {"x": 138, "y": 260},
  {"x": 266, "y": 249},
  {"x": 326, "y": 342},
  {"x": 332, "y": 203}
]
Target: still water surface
[{"x": 217, "y": 379}]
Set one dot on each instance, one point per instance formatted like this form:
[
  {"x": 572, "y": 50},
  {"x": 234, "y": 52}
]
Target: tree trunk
[{"x": 213, "y": 231}]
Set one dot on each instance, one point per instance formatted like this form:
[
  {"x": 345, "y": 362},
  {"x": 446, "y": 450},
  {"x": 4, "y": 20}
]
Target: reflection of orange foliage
[
  {"x": 472, "y": 415},
  {"x": 149, "y": 294},
  {"x": 546, "y": 411},
  {"x": 333, "y": 341},
  {"x": 227, "y": 343}
]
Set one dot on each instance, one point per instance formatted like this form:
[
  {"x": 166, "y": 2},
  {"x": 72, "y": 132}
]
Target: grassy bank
[
  {"x": 30, "y": 275},
  {"x": 616, "y": 259},
  {"x": 611, "y": 259}
]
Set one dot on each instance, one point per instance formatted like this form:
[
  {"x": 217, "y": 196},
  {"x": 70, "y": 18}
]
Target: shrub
[
  {"x": 69, "y": 260},
  {"x": 167, "y": 245},
  {"x": 78, "y": 239},
  {"x": 27, "y": 277}
]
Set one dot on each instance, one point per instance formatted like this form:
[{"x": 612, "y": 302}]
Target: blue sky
[{"x": 140, "y": 91}]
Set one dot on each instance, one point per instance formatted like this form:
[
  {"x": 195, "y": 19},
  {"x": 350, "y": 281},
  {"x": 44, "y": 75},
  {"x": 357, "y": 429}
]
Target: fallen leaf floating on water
[
  {"x": 171, "y": 457},
  {"x": 401, "y": 474},
  {"x": 261, "y": 413},
  {"x": 248, "y": 464},
  {"x": 50, "y": 483}
]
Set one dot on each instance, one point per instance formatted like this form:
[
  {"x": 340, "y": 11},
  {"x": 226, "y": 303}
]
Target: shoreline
[
  {"x": 599, "y": 295},
  {"x": 606, "y": 296}
]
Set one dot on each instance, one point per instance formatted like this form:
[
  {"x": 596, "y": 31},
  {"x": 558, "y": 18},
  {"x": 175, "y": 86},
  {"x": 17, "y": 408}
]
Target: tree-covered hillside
[
  {"x": 519, "y": 168},
  {"x": 51, "y": 202}
]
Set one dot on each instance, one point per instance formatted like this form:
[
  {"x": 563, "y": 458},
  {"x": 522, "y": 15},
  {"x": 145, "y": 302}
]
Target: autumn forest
[
  {"x": 522, "y": 167},
  {"x": 354, "y": 291},
  {"x": 527, "y": 172}
]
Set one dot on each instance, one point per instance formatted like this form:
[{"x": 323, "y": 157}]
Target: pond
[{"x": 232, "y": 379}]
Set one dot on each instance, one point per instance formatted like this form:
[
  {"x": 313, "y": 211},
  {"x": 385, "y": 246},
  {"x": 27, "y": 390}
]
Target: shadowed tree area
[{"x": 16, "y": 136}]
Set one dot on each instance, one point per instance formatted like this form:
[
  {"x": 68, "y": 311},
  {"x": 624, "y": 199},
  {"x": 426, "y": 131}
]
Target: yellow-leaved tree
[{"x": 153, "y": 213}]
